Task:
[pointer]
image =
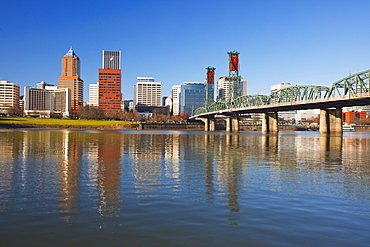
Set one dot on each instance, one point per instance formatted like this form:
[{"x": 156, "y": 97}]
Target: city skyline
[{"x": 302, "y": 42}]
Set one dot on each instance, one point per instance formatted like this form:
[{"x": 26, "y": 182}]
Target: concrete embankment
[
  {"x": 172, "y": 126},
  {"x": 219, "y": 126},
  {"x": 258, "y": 127},
  {"x": 77, "y": 127}
]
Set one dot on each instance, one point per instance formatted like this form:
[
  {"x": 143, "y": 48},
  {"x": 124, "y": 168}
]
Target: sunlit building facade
[
  {"x": 9, "y": 96},
  {"x": 46, "y": 100},
  {"x": 192, "y": 96},
  {"x": 148, "y": 92},
  {"x": 70, "y": 78},
  {"x": 223, "y": 87},
  {"x": 109, "y": 83},
  {"x": 176, "y": 90},
  {"x": 93, "y": 95}
]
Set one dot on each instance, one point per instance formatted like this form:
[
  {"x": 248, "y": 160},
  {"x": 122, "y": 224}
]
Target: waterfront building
[
  {"x": 147, "y": 92},
  {"x": 192, "y": 96},
  {"x": 21, "y": 102},
  {"x": 354, "y": 117},
  {"x": 304, "y": 115},
  {"x": 223, "y": 85},
  {"x": 45, "y": 100},
  {"x": 280, "y": 86},
  {"x": 176, "y": 90},
  {"x": 93, "y": 95},
  {"x": 364, "y": 108},
  {"x": 9, "y": 96},
  {"x": 70, "y": 78},
  {"x": 109, "y": 83},
  {"x": 290, "y": 115},
  {"x": 128, "y": 105},
  {"x": 168, "y": 102}
]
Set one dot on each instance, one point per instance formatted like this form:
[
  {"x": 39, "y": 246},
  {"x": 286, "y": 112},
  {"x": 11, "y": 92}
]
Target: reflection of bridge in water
[{"x": 353, "y": 90}]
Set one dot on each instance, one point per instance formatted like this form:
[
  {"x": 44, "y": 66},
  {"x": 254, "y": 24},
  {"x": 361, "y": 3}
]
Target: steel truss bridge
[{"x": 353, "y": 90}]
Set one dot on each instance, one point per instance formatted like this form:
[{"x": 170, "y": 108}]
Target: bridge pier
[
  {"x": 209, "y": 124},
  {"x": 270, "y": 122},
  {"x": 206, "y": 123},
  {"x": 232, "y": 124},
  {"x": 212, "y": 124},
  {"x": 235, "y": 124},
  {"x": 331, "y": 121}
]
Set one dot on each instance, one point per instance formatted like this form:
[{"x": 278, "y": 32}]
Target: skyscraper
[
  {"x": 93, "y": 95},
  {"x": 223, "y": 88},
  {"x": 111, "y": 60},
  {"x": 46, "y": 100},
  {"x": 109, "y": 83},
  {"x": 176, "y": 99},
  {"x": 192, "y": 96},
  {"x": 9, "y": 96},
  {"x": 147, "y": 92},
  {"x": 70, "y": 78}
]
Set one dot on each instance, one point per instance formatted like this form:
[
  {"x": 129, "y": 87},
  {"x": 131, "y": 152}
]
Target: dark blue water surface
[{"x": 183, "y": 188}]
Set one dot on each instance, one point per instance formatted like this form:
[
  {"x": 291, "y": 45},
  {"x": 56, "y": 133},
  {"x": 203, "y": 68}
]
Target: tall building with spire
[
  {"x": 109, "y": 83},
  {"x": 70, "y": 78}
]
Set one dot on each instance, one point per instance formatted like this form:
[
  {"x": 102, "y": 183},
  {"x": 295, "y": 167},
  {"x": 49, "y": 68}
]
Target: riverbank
[{"x": 49, "y": 123}]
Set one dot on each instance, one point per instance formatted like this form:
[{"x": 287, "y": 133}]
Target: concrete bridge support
[
  {"x": 212, "y": 124},
  {"x": 209, "y": 124},
  {"x": 235, "y": 124},
  {"x": 270, "y": 122},
  {"x": 331, "y": 121},
  {"x": 206, "y": 123},
  {"x": 232, "y": 124}
]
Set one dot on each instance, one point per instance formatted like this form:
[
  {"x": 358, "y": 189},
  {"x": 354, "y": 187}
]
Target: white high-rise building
[
  {"x": 223, "y": 85},
  {"x": 281, "y": 85},
  {"x": 46, "y": 99},
  {"x": 176, "y": 90},
  {"x": 147, "y": 92},
  {"x": 93, "y": 95},
  {"x": 9, "y": 95},
  {"x": 286, "y": 115}
]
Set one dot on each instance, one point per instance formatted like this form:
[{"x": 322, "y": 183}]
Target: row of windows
[
  {"x": 113, "y": 99},
  {"x": 117, "y": 76},
  {"x": 110, "y": 86},
  {"x": 110, "y": 89}
]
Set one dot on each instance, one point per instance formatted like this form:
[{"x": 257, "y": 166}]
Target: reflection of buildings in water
[
  {"x": 356, "y": 156},
  {"x": 147, "y": 163},
  {"x": 209, "y": 161},
  {"x": 92, "y": 149},
  {"x": 172, "y": 155},
  {"x": 270, "y": 145},
  {"x": 69, "y": 172},
  {"x": 11, "y": 167},
  {"x": 306, "y": 148},
  {"x": 230, "y": 159},
  {"x": 109, "y": 173},
  {"x": 41, "y": 162},
  {"x": 355, "y": 147}
]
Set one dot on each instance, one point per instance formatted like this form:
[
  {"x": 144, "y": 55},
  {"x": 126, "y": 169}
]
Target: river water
[{"x": 183, "y": 188}]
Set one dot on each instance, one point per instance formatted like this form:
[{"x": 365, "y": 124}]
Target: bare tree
[{"x": 90, "y": 112}]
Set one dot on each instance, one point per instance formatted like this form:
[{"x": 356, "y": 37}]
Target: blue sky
[{"x": 303, "y": 42}]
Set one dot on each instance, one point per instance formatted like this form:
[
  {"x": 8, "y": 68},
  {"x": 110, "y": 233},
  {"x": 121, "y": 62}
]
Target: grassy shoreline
[{"x": 25, "y": 122}]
